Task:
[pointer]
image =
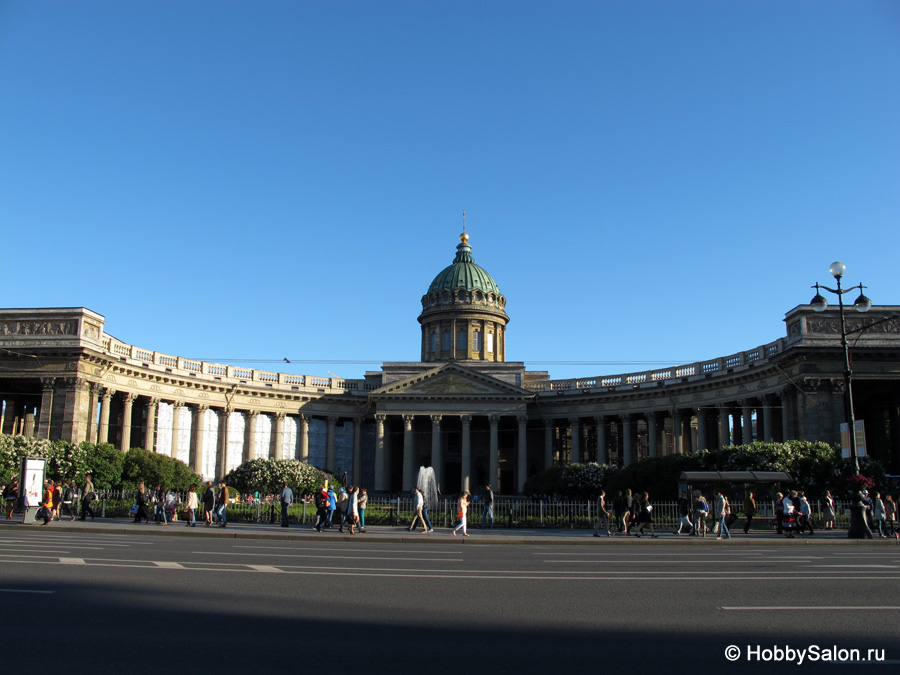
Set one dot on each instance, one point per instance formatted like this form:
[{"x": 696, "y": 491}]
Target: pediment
[{"x": 452, "y": 381}]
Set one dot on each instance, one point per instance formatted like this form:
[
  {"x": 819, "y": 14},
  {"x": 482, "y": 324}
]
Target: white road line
[
  {"x": 890, "y": 567},
  {"x": 816, "y": 609},
  {"x": 265, "y": 568},
  {"x": 165, "y": 564},
  {"x": 343, "y": 549},
  {"x": 22, "y": 590},
  {"x": 71, "y": 561},
  {"x": 326, "y": 557},
  {"x": 642, "y": 561}
]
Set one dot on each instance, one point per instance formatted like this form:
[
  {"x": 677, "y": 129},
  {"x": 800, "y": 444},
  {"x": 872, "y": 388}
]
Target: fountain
[{"x": 428, "y": 485}]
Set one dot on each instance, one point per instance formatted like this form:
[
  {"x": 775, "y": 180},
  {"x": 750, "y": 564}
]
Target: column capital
[
  {"x": 251, "y": 414},
  {"x": 279, "y": 416},
  {"x": 522, "y": 419},
  {"x": 200, "y": 408},
  {"x": 150, "y": 402},
  {"x": 380, "y": 418},
  {"x": 574, "y": 420},
  {"x": 494, "y": 419},
  {"x": 47, "y": 383},
  {"x": 304, "y": 418},
  {"x": 76, "y": 382},
  {"x": 106, "y": 393},
  {"x": 465, "y": 419},
  {"x": 177, "y": 404},
  {"x": 408, "y": 421},
  {"x": 127, "y": 397},
  {"x": 436, "y": 420}
]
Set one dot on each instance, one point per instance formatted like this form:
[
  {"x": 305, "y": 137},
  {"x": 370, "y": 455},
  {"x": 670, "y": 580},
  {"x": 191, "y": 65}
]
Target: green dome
[{"x": 464, "y": 274}]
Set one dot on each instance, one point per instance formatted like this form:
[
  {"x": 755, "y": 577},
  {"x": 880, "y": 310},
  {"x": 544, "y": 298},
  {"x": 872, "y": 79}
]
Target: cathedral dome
[
  {"x": 463, "y": 313},
  {"x": 464, "y": 274}
]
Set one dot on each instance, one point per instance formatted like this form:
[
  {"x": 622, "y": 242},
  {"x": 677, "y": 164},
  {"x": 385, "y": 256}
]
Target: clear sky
[{"x": 649, "y": 182}]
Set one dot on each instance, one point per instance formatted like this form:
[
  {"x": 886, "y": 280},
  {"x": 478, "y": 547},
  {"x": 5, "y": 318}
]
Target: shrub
[{"x": 268, "y": 476}]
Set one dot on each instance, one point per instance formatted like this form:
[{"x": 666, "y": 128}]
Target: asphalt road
[{"x": 110, "y": 603}]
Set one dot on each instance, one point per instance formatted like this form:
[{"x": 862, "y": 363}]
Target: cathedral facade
[{"x": 462, "y": 408}]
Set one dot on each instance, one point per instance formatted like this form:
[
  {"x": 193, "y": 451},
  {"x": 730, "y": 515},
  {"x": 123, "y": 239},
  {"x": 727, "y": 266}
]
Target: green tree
[
  {"x": 154, "y": 468},
  {"x": 105, "y": 462},
  {"x": 268, "y": 476}
]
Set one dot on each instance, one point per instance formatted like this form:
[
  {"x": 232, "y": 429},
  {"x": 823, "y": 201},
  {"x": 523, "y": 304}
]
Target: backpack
[
  {"x": 67, "y": 493},
  {"x": 321, "y": 501}
]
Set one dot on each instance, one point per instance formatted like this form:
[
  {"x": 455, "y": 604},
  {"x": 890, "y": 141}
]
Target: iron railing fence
[{"x": 509, "y": 512}]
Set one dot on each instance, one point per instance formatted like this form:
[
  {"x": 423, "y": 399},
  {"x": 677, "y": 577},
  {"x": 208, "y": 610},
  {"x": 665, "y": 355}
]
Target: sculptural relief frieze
[{"x": 39, "y": 328}]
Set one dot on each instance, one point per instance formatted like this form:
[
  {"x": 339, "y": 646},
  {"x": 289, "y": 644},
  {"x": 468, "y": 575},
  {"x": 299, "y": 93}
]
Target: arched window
[
  {"x": 434, "y": 342},
  {"x": 445, "y": 340},
  {"x": 476, "y": 341},
  {"x": 460, "y": 339}
]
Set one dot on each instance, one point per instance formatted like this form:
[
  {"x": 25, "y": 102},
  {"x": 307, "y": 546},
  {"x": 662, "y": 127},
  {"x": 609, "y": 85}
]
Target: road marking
[
  {"x": 326, "y": 557},
  {"x": 71, "y": 561},
  {"x": 22, "y": 590},
  {"x": 344, "y": 549},
  {"x": 733, "y": 563},
  {"x": 265, "y": 568},
  {"x": 165, "y": 564},
  {"x": 892, "y": 567},
  {"x": 822, "y": 608}
]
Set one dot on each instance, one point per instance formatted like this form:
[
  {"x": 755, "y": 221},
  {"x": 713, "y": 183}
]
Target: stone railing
[
  {"x": 201, "y": 370},
  {"x": 668, "y": 375}
]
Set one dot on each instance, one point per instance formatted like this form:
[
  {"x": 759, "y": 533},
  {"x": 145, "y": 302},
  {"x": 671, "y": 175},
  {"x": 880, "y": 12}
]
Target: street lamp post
[{"x": 862, "y": 304}]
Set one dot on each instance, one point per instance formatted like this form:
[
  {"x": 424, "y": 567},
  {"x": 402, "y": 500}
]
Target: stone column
[
  {"x": 303, "y": 437},
  {"x": 787, "y": 413},
  {"x": 380, "y": 457},
  {"x": 575, "y": 435},
  {"x": 250, "y": 419},
  {"x": 522, "y": 464},
  {"x": 329, "y": 442},
  {"x": 629, "y": 451},
  {"x": 548, "y": 443},
  {"x": 277, "y": 451},
  {"x": 768, "y": 430},
  {"x": 494, "y": 453},
  {"x": 47, "y": 385},
  {"x": 222, "y": 441},
  {"x": 724, "y": 430},
  {"x": 602, "y": 440},
  {"x": 106, "y": 395},
  {"x": 177, "y": 408},
  {"x": 150, "y": 424},
  {"x": 653, "y": 434},
  {"x": 93, "y": 401},
  {"x": 466, "y": 451},
  {"x": 687, "y": 445},
  {"x": 437, "y": 456},
  {"x": 747, "y": 422},
  {"x": 357, "y": 450},
  {"x": 702, "y": 429},
  {"x": 74, "y": 423},
  {"x": 677, "y": 430},
  {"x": 409, "y": 456},
  {"x": 127, "y": 405},
  {"x": 198, "y": 430}
]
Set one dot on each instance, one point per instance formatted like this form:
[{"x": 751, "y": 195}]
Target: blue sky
[{"x": 648, "y": 182}]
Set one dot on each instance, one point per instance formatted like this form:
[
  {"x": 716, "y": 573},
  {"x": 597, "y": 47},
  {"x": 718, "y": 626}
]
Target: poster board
[
  {"x": 31, "y": 483},
  {"x": 860, "y": 428}
]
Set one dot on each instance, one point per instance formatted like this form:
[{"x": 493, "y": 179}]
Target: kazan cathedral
[{"x": 462, "y": 408}]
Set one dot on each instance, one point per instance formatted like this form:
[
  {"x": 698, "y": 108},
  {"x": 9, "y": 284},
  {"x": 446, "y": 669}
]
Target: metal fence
[{"x": 508, "y": 512}]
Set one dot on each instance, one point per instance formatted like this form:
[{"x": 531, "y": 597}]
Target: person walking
[
  {"x": 362, "y": 504},
  {"x": 193, "y": 503},
  {"x": 209, "y": 503},
  {"x": 10, "y": 496},
  {"x": 805, "y": 515},
  {"x": 286, "y": 498},
  {"x": 829, "y": 511},
  {"x": 159, "y": 498},
  {"x": 353, "y": 509},
  {"x": 701, "y": 510},
  {"x": 878, "y": 516},
  {"x": 619, "y": 509},
  {"x": 487, "y": 516},
  {"x": 602, "y": 515},
  {"x": 57, "y": 499},
  {"x": 67, "y": 495},
  {"x": 142, "y": 512},
  {"x": 789, "y": 514},
  {"x": 88, "y": 494},
  {"x": 721, "y": 508},
  {"x": 645, "y": 515},
  {"x": 45, "y": 509},
  {"x": 418, "y": 504},
  {"x": 222, "y": 503},
  {"x": 332, "y": 507},
  {"x": 749, "y": 511},
  {"x": 321, "y": 502},
  {"x": 461, "y": 513},
  {"x": 343, "y": 504},
  {"x": 890, "y": 514},
  {"x": 685, "y": 526}
]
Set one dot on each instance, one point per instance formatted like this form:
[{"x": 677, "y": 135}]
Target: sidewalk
[{"x": 394, "y": 535}]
